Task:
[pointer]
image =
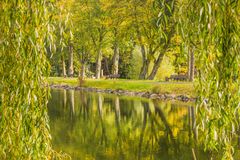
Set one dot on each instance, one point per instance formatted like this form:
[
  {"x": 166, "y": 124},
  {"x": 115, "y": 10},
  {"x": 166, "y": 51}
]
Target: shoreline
[{"x": 149, "y": 95}]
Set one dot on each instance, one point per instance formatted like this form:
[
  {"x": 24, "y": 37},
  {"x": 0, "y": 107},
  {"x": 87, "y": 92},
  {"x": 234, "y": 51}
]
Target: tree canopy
[{"x": 131, "y": 39}]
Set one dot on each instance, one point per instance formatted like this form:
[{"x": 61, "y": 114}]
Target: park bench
[
  {"x": 112, "y": 76},
  {"x": 180, "y": 77}
]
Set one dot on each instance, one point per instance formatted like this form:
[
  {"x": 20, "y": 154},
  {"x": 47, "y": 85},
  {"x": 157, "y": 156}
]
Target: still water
[{"x": 94, "y": 126}]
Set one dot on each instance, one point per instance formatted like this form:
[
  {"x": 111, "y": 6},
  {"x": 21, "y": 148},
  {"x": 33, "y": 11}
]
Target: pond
[{"x": 109, "y": 127}]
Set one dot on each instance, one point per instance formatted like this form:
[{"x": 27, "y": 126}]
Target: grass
[{"x": 185, "y": 88}]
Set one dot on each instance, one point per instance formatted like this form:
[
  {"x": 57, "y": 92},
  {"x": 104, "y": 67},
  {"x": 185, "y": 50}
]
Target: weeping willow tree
[
  {"x": 217, "y": 24},
  {"x": 25, "y": 30}
]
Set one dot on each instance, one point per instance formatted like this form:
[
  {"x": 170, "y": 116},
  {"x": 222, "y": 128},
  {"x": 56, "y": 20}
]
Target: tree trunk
[
  {"x": 106, "y": 65},
  {"x": 98, "y": 64},
  {"x": 82, "y": 71},
  {"x": 189, "y": 63},
  {"x": 161, "y": 55},
  {"x": 145, "y": 64},
  {"x": 156, "y": 66},
  {"x": 144, "y": 69},
  {"x": 64, "y": 74},
  {"x": 115, "y": 59},
  {"x": 70, "y": 60},
  {"x": 191, "y": 78}
]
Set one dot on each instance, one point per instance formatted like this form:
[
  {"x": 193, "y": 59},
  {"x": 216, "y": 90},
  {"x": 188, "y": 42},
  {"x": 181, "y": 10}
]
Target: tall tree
[
  {"x": 98, "y": 31},
  {"x": 64, "y": 36},
  {"x": 153, "y": 33},
  {"x": 83, "y": 44},
  {"x": 118, "y": 26},
  {"x": 167, "y": 26}
]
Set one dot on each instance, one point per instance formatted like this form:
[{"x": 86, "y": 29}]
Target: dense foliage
[
  {"x": 24, "y": 32},
  {"x": 216, "y": 24},
  {"x": 137, "y": 39},
  {"x": 111, "y": 36}
]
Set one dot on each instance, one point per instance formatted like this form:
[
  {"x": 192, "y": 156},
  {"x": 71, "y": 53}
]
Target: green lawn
[{"x": 185, "y": 88}]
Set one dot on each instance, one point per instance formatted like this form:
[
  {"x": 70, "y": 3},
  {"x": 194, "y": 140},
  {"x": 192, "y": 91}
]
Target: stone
[
  {"x": 183, "y": 98},
  {"x": 153, "y": 96}
]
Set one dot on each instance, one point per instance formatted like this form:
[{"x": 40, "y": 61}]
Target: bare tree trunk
[
  {"x": 156, "y": 66},
  {"x": 63, "y": 67},
  {"x": 115, "y": 59},
  {"x": 192, "y": 65},
  {"x": 70, "y": 60},
  {"x": 98, "y": 64}
]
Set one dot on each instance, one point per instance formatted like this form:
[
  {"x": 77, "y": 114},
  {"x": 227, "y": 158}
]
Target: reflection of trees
[
  {"x": 71, "y": 103},
  {"x": 100, "y": 111},
  {"x": 127, "y": 108},
  {"x": 168, "y": 131},
  {"x": 159, "y": 112},
  {"x": 194, "y": 127},
  {"x": 84, "y": 105},
  {"x": 111, "y": 127},
  {"x": 118, "y": 126},
  {"x": 146, "y": 108},
  {"x": 64, "y": 98},
  {"x": 156, "y": 122}
]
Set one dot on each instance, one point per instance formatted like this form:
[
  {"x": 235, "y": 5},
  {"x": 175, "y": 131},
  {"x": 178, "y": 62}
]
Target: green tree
[
  {"x": 25, "y": 30},
  {"x": 63, "y": 37},
  {"x": 98, "y": 31},
  {"x": 121, "y": 31},
  {"x": 217, "y": 25},
  {"x": 153, "y": 32},
  {"x": 82, "y": 42}
]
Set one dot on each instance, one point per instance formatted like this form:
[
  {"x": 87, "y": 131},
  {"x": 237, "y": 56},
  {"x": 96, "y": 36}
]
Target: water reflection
[{"x": 108, "y": 127}]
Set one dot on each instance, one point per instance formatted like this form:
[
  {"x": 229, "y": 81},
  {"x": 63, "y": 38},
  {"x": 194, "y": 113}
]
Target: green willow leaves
[
  {"x": 218, "y": 45},
  {"x": 25, "y": 30}
]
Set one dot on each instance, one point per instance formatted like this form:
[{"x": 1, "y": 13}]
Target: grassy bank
[{"x": 185, "y": 88}]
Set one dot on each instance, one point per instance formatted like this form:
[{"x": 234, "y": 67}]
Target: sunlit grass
[{"x": 185, "y": 88}]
